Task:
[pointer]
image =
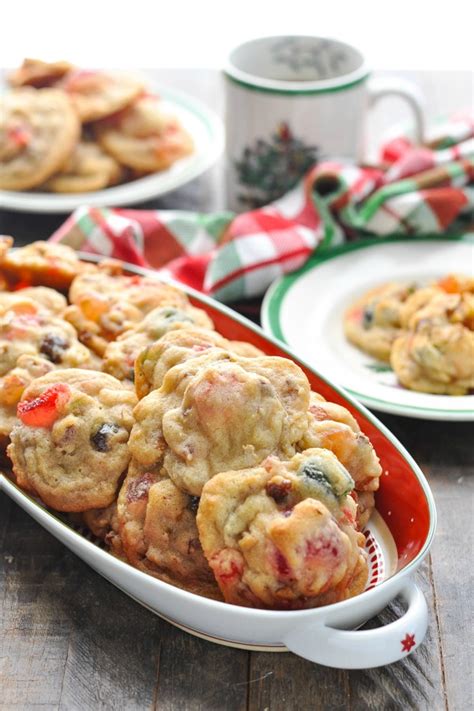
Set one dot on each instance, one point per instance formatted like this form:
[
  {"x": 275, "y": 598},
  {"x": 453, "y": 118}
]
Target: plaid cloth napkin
[{"x": 416, "y": 190}]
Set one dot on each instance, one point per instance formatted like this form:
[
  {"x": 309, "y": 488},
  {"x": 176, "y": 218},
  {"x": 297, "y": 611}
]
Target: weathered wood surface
[{"x": 70, "y": 640}]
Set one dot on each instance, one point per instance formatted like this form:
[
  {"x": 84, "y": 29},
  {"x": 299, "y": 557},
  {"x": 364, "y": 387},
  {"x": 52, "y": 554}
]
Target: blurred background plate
[
  {"x": 305, "y": 310},
  {"x": 202, "y": 124}
]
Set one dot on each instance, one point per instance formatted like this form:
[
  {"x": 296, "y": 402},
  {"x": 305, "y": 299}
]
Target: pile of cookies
[
  {"x": 425, "y": 333},
  {"x": 198, "y": 459},
  {"x": 67, "y": 130}
]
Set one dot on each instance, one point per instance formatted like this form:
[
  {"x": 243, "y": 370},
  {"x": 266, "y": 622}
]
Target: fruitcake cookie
[
  {"x": 42, "y": 263},
  {"x": 332, "y": 427},
  {"x": 103, "y": 305},
  {"x": 147, "y": 443},
  {"x": 28, "y": 329},
  {"x": 102, "y": 523},
  {"x": 12, "y": 387},
  {"x": 282, "y": 535},
  {"x": 143, "y": 137},
  {"x": 435, "y": 359},
  {"x": 434, "y": 306},
  {"x": 158, "y": 532},
  {"x": 120, "y": 355},
  {"x": 88, "y": 168},
  {"x": 218, "y": 412},
  {"x": 35, "y": 72},
  {"x": 176, "y": 347},
  {"x": 38, "y": 132},
  {"x": 42, "y": 296},
  {"x": 70, "y": 447},
  {"x": 97, "y": 94},
  {"x": 373, "y": 322}
]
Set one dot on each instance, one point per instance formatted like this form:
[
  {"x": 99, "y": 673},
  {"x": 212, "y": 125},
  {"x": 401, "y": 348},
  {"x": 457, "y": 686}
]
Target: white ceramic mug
[{"x": 293, "y": 100}]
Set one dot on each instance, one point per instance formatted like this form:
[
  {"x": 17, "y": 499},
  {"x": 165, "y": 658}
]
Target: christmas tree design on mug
[{"x": 271, "y": 167}]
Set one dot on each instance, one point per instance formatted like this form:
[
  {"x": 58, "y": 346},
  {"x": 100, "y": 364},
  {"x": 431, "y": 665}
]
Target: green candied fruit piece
[
  {"x": 172, "y": 315},
  {"x": 326, "y": 477},
  {"x": 164, "y": 317}
]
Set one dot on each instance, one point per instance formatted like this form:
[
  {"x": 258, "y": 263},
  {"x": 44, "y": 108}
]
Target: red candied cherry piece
[
  {"x": 80, "y": 79},
  {"x": 134, "y": 281},
  {"x": 19, "y": 135},
  {"x": 44, "y": 410}
]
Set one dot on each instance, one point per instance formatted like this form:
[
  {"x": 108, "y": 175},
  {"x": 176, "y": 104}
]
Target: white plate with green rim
[
  {"x": 305, "y": 310},
  {"x": 207, "y": 132}
]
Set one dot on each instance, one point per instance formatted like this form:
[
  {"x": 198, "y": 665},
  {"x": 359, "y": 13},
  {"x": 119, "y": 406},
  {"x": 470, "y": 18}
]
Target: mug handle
[
  {"x": 405, "y": 89},
  {"x": 364, "y": 649}
]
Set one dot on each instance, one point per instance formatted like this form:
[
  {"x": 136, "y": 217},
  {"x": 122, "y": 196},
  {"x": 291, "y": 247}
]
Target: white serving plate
[
  {"x": 399, "y": 536},
  {"x": 203, "y": 125},
  {"x": 305, "y": 310}
]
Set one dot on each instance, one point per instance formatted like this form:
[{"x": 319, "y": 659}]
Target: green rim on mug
[
  {"x": 237, "y": 72},
  {"x": 295, "y": 92}
]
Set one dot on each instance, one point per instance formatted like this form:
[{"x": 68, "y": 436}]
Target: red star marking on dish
[{"x": 408, "y": 642}]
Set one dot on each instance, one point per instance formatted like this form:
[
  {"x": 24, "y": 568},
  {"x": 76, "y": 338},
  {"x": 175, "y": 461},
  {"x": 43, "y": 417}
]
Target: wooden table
[{"x": 70, "y": 640}]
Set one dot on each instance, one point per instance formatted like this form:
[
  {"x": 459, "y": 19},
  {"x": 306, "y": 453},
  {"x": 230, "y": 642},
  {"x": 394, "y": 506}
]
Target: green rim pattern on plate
[{"x": 271, "y": 307}]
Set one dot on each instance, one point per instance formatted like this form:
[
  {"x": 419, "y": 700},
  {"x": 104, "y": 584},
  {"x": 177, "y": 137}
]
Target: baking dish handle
[{"x": 363, "y": 649}]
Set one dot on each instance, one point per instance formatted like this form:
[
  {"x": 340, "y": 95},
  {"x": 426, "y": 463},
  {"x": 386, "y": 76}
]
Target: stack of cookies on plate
[
  {"x": 68, "y": 130},
  {"x": 198, "y": 459},
  {"x": 426, "y": 333}
]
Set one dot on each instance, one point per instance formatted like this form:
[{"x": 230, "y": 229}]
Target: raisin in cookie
[
  {"x": 70, "y": 446},
  {"x": 282, "y": 535}
]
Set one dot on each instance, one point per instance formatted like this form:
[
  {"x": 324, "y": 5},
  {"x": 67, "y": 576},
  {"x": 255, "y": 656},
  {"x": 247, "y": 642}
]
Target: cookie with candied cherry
[
  {"x": 12, "y": 386},
  {"x": 282, "y": 535},
  {"x": 103, "y": 305},
  {"x": 120, "y": 355},
  {"x": 96, "y": 94},
  {"x": 147, "y": 443},
  {"x": 373, "y": 321},
  {"x": 233, "y": 415},
  {"x": 218, "y": 411},
  {"x": 40, "y": 263},
  {"x": 175, "y": 347},
  {"x": 331, "y": 426},
  {"x": 33, "y": 342},
  {"x": 158, "y": 532},
  {"x": 38, "y": 132},
  {"x": 144, "y": 137},
  {"x": 87, "y": 168},
  {"x": 70, "y": 445}
]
